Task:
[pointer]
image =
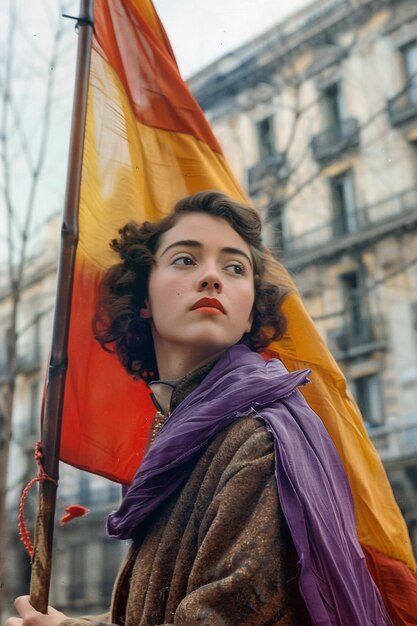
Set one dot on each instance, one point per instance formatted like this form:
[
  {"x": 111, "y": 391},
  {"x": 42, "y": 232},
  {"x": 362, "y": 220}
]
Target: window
[
  {"x": 111, "y": 557},
  {"x": 84, "y": 487},
  {"x": 276, "y": 225},
  {"x": 333, "y": 110},
  {"x": 414, "y": 315},
  {"x": 343, "y": 200},
  {"x": 266, "y": 139},
  {"x": 34, "y": 407},
  {"x": 409, "y": 53},
  {"x": 413, "y": 153},
  {"x": 78, "y": 568},
  {"x": 4, "y": 336},
  {"x": 352, "y": 299},
  {"x": 367, "y": 390},
  {"x": 414, "y": 319}
]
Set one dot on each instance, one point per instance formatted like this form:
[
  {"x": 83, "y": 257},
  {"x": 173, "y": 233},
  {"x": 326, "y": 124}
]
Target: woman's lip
[
  {"x": 208, "y": 303},
  {"x": 208, "y": 310}
]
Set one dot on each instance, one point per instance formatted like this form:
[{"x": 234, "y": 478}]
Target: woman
[{"x": 240, "y": 513}]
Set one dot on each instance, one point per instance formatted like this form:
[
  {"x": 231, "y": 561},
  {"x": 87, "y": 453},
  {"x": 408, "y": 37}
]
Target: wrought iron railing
[
  {"x": 395, "y": 439},
  {"x": 363, "y": 332},
  {"x": 274, "y": 165},
  {"x": 403, "y": 107},
  {"x": 356, "y": 221},
  {"x": 335, "y": 139}
]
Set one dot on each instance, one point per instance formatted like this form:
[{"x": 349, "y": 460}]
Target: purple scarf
[{"x": 313, "y": 489}]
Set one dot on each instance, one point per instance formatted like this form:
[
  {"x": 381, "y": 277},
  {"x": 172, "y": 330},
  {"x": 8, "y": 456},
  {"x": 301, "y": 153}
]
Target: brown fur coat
[{"x": 218, "y": 551}]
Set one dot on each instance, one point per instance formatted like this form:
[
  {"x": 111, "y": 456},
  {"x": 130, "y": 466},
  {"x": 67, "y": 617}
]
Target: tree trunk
[{"x": 6, "y": 412}]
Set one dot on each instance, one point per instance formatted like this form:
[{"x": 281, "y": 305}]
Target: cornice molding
[{"x": 217, "y": 84}]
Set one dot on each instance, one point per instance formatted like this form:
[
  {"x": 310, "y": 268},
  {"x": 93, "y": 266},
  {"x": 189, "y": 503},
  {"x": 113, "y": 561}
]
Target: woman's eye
[
  {"x": 235, "y": 268},
  {"x": 183, "y": 260}
]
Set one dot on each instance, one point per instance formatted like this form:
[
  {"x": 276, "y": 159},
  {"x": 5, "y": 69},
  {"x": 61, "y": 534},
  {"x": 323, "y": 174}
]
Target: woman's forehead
[{"x": 206, "y": 229}]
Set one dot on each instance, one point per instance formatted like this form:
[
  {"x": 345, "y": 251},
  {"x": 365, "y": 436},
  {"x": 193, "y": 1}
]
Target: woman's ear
[{"x": 145, "y": 312}]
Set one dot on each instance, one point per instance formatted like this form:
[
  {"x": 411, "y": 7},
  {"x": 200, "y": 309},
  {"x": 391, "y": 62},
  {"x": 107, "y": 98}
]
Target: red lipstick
[{"x": 208, "y": 303}]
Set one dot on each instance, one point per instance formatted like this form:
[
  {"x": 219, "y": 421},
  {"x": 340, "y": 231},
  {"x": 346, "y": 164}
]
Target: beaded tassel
[{"x": 159, "y": 421}]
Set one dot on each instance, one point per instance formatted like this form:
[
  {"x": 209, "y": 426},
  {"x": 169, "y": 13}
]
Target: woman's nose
[{"x": 210, "y": 280}]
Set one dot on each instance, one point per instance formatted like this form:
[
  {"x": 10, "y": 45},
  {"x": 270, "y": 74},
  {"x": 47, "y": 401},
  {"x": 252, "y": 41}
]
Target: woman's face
[{"x": 201, "y": 288}]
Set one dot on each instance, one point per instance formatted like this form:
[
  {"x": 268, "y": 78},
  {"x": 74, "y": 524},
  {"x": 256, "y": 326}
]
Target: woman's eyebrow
[
  {"x": 230, "y": 250},
  {"x": 192, "y": 243},
  {"x": 189, "y": 243}
]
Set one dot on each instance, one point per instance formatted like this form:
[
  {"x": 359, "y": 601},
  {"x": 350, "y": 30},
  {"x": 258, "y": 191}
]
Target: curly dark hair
[{"x": 124, "y": 287}]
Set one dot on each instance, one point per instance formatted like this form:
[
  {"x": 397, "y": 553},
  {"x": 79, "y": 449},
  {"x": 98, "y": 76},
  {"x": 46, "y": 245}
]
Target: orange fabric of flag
[{"x": 148, "y": 144}]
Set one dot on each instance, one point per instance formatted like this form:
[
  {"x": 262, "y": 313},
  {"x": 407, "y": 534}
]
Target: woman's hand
[{"x": 31, "y": 617}]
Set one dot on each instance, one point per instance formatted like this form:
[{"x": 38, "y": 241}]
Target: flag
[{"x": 148, "y": 144}]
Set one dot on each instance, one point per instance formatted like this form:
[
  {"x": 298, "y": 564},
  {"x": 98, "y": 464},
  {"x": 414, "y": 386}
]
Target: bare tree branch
[
  {"x": 45, "y": 125},
  {"x": 4, "y": 140},
  {"x": 16, "y": 147}
]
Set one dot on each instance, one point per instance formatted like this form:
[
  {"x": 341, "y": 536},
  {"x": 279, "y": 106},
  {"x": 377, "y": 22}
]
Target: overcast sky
[{"x": 203, "y": 30}]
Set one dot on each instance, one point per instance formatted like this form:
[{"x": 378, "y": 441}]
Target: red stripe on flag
[
  {"x": 112, "y": 444},
  {"x": 397, "y": 584},
  {"x": 148, "y": 71}
]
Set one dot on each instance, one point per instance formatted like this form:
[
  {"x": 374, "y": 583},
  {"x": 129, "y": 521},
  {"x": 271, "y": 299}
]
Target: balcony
[
  {"x": 332, "y": 142},
  {"x": 403, "y": 107},
  {"x": 273, "y": 166},
  {"x": 396, "y": 442},
  {"x": 358, "y": 337},
  {"x": 373, "y": 221}
]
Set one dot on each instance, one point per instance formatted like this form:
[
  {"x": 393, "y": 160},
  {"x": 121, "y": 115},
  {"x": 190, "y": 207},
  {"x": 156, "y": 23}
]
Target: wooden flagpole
[{"x": 52, "y": 417}]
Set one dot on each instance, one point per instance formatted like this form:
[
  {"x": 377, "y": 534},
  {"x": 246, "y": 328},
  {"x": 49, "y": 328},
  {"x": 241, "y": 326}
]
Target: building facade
[{"x": 318, "y": 118}]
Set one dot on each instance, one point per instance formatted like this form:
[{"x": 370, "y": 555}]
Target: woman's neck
[{"x": 172, "y": 365}]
